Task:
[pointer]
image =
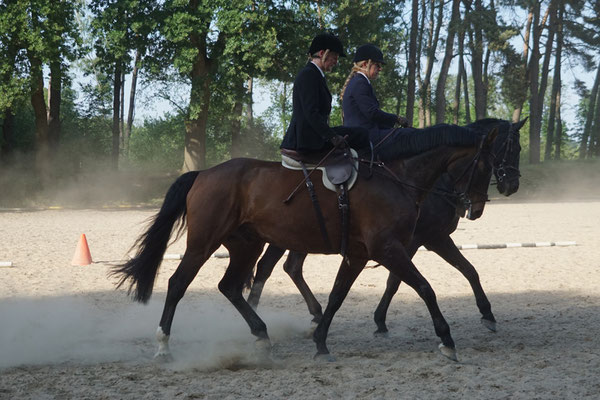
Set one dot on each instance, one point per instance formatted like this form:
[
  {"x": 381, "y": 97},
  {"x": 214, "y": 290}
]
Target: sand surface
[{"x": 66, "y": 333}]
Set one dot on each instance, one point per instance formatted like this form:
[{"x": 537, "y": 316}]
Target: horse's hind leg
[
  {"x": 391, "y": 287},
  {"x": 397, "y": 261},
  {"x": 346, "y": 276},
  {"x": 293, "y": 266},
  {"x": 264, "y": 268},
  {"x": 178, "y": 283},
  {"x": 446, "y": 249},
  {"x": 244, "y": 250}
]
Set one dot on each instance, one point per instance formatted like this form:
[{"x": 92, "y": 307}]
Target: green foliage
[{"x": 158, "y": 143}]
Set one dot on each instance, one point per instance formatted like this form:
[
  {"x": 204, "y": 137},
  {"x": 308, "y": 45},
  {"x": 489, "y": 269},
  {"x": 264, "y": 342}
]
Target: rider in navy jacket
[
  {"x": 309, "y": 129},
  {"x": 359, "y": 103}
]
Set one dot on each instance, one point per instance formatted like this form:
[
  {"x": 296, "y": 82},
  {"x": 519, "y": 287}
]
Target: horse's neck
[{"x": 423, "y": 170}]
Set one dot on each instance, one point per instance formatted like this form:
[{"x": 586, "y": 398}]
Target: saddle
[
  {"x": 339, "y": 172},
  {"x": 337, "y": 169}
]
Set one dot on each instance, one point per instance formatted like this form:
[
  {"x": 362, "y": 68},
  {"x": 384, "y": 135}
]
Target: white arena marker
[
  {"x": 468, "y": 246},
  {"x": 6, "y": 264},
  {"x": 566, "y": 243},
  {"x": 171, "y": 256}
]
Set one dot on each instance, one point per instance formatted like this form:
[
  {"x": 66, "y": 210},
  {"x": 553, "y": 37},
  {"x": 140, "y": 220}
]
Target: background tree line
[{"x": 64, "y": 66}]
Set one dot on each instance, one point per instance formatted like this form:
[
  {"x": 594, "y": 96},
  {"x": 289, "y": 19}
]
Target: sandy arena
[{"x": 66, "y": 333}]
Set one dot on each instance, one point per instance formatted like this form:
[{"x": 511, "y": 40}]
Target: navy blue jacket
[
  {"x": 309, "y": 128},
  {"x": 361, "y": 108}
]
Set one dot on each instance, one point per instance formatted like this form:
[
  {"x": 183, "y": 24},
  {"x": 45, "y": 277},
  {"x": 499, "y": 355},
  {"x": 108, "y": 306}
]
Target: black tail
[{"x": 141, "y": 270}]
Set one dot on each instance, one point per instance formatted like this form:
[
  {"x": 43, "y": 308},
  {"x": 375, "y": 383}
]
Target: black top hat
[
  {"x": 325, "y": 41},
  {"x": 368, "y": 52}
]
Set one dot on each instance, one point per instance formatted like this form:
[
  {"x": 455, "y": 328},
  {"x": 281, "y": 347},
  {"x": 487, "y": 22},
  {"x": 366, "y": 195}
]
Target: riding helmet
[
  {"x": 368, "y": 52},
  {"x": 325, "y": 41}
]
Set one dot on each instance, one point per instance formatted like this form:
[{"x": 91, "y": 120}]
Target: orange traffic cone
[{"x": 82, "y": 253}]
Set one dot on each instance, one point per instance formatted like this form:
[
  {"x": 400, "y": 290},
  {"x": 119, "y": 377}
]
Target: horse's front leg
[
  {"x": 445, "y": 248},
  {"x": 346, "y": 276},
  {"x": 396, "y": 260}
]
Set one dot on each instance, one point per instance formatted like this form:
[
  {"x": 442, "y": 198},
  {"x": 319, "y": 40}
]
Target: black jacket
[
  {"x": 361, "y": 108},
  {"x": 309, "y": 128}
]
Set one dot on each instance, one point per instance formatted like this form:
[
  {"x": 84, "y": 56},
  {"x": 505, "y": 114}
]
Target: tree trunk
[
  {"x": 476, "y": 44},
  {"x": 41, "y": 116},
  {"x": 440, "y": 91},
  {"x": 412, "y": 62},
  {"x": 433, "y": 30},
  {"x": 534, "y": 119},
  {"x": 54, "y": 102},
  {"x": 559, "y": 128},
  {"x": 594, "y": 147},
  {"x": 236, "y": 120},
  {"x": 131, "y": 111},
  {"x": 555, "y": 24},
  {"x": 116, "y": 116},
  {"x": 250, "y": 104},
  {"x": 122, "y": 113},
  {"x": 8, "y": 126},
  {"x": 195, "y": 136},
  {"x": 589, "y": 118},
  {"x": 518, "y": 109},
  {"x": 284, "y": 121}
]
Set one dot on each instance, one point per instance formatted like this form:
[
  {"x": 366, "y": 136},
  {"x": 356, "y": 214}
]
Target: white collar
[
  {"x": 366, "y": 77},
  {"x": 320, "y": 70}
]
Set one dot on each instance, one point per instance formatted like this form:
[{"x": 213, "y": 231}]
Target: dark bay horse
[
  {"x": 239, "y": 204},
  {"x": 438, "y": 219}
]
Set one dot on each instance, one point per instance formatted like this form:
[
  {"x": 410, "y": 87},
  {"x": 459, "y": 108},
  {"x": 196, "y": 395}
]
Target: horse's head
[
  {"x": 472, "y": 175},
  {"x": 507, "y": 151}
]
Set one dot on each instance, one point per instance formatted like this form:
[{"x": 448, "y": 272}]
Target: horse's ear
[
  {"x": 520, "y": 124},
  {"x": 491, "y": 136}
]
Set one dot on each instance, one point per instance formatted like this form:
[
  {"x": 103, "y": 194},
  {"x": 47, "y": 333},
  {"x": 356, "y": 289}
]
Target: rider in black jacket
[{"x": 309, "y": 129}]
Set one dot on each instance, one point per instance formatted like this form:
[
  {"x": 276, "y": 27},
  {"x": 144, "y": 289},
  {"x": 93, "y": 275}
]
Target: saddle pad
[{"x": 290, "y": 163}]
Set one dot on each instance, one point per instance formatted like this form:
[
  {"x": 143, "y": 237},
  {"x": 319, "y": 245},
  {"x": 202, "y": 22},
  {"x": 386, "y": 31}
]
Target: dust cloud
[
  {"x": 74, "y": 330},
  {"x": 67, "y": 184}
]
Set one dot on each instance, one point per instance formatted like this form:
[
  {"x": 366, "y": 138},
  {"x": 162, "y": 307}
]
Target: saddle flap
[{"x": 339, "y": 173}]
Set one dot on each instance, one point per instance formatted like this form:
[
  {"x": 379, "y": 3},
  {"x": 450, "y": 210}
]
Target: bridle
[
  {"x": 463, "y": 196},
  {"x": 502, "y": 170}
]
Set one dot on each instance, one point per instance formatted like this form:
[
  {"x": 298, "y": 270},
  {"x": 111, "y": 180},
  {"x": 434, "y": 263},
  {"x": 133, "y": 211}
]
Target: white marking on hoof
[
  {"x": 324, "y": 358},
  {"x": 448, "y": 352},
  {"x": 491, "y": 325},
  {"x": 163, "y": 354}
]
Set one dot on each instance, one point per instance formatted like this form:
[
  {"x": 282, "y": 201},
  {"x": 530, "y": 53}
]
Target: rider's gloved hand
[
  {"x": 338, "y": 141},
  {"x": 403, "y": 122}
]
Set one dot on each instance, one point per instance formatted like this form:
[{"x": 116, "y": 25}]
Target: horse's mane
[
  {"x": 412, "y": 141},
  {"x": 486, "y": 124}
]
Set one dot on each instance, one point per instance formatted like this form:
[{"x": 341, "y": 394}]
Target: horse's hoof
[
  {"x": 381, "y": 333},
  {"x": 263, "y": 345},
  {"x": 163, "y": 357},
  {"x": 324, "y": 357},
  {"x": 448, "y": 352},
  {"x": 491, "y": 325}
]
